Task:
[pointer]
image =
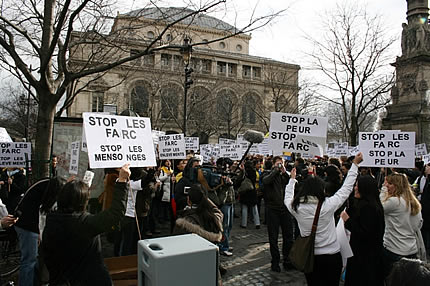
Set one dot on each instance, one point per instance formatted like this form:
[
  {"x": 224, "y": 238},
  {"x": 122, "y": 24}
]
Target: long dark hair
[
  {"x": 368, "y": 190},
  {"x": 73, "y": 197},
  {"x": 333, "y": 179},
  {"x": 204, "y": 209},
  {"x": 311, "y": 186},
  {"x": 50, "y": 195}
]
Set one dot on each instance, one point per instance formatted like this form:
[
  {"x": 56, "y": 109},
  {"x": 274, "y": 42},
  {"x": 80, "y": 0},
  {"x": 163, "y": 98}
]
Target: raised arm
[
  {"x": 343, "y": 193},
  {"x": 289, "y": 190},
  {"x": 105, "y": 220}
]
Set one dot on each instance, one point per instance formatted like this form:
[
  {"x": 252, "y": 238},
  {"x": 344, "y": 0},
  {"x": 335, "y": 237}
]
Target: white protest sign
[
  {"x": 341, "y": 149},
  {"x": 214, "y": 154},
  {"x": 74, "y": 157},
  {"x": 420, "y": 149},
  {"x": 387, "y": 148},
  {"x": 297, "y": 133},
  {"x": 234, "y": 152},
  {"x": 192, "y": 143},
  {"x": 205, "y": 152},
  {"x": 172, "y": 147},
  {"x": 4, "y": 136},
  {"x": 113, "y": 141},
  {"x": 263, "y": 147},
  {"x": 12, "y": 154},
  {"x": 353, "y": 150},
  {"x": 156, "y": 134},
  {"x": 426, "y": 159},
  {"x": 330, "y": 152},
  {"x": 226, "y": 141}
]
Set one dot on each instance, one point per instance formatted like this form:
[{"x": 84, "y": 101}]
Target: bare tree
[
  {"x": 17, "y": 113},
  {"x": 38, "y": 38},
  {"x": 354, "y": 57}
]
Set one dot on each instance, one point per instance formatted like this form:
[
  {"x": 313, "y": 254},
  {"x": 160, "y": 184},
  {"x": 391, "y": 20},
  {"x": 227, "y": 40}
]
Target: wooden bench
[{"x": 123, "y": 269}]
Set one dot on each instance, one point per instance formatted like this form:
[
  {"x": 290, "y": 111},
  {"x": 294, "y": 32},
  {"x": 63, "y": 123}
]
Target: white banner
[
  {"x": 420, "y": 149},
  {"x": 205, "y": 152},
  {"x": 113, "y": 141},
  {"x": 156, "y": 134},
  {"x": 226, "y": 141},
  {"x": 4, "y": 136},
  {"x": 297, "y": 133},
  {"x": 341, "y": 149},
  {"x": 192, "y": 143},
  {"x": 74, "y": 157},
  {"x": 215, "y": 151},
  {"x": 172, "y": 147},
  {"x": 387, "y": 148},
  {"x": 234, "y": 152},
  {"x": 12, "y": 154},
  {"x": 426, "y": 159}
]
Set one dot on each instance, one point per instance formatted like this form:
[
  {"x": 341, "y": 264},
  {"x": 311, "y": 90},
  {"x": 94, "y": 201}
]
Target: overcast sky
[{"x": 283, "y": 40}]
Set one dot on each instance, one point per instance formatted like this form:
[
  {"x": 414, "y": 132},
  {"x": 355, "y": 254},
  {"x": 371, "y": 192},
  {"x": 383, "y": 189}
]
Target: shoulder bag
[{"x": 302, "y": 252}]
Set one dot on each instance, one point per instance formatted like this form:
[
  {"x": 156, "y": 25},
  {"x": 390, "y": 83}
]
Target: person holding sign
[
  {"x": 365, "y": 219},
  {"x": 328, "y": 260},
  {"x": 70, "y": 243},
  {"x": 402, "y": 212}
]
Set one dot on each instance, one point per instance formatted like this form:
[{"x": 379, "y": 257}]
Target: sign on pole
[
  {"x": 192, "y": 143},
  {"x": 387, "y": 148},
  {"x": 297, "y": 133},
  {"x": 12, "y": 154},
  {"x": 74, "y": 157},
  {"x": 172, "y": 147},
  {"x": 420, "y": 149},
  {"x": 353, "y": 150},
  {"x": 205, "y": 152},
  {"x": 226, "y": 141},
  {"x": 113, "y": 141}
]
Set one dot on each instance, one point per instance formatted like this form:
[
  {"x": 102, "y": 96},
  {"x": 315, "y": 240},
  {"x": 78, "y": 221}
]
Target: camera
[{"x": 280, "y": 165}]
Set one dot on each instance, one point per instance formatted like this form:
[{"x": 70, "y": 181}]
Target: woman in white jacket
[
  {"x": 328, "y": 261},
  {"x": 402, "y": 213}
]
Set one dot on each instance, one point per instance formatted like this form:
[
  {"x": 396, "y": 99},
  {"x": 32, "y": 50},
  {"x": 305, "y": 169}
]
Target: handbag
[
  {"x": 302, "y": 252},
  {"x": 245, "y": 186}
]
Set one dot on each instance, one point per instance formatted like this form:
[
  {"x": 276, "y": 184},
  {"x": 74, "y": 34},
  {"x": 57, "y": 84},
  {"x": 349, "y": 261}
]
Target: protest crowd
[{"x": 366, "y": 225}]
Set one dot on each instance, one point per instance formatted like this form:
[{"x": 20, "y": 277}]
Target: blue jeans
[
  {"x": 227, "y": 224},
  {"x": 28, "y": 241},
  {"x": 254, "y": 213}
]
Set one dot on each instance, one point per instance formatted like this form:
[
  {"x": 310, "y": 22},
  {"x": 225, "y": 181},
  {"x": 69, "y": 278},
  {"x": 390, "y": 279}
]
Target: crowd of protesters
[{"x": 386, "y": 212}]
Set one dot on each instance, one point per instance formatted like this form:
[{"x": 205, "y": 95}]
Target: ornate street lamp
[{"x": 186, "y": 52}]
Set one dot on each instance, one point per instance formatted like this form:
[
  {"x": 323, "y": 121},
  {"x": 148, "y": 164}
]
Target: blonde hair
[{"x": 403, "y": 189}]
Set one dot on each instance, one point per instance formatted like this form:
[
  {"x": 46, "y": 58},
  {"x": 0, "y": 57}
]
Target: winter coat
[
  {"x": 11, "y": 195},
  {"x": 366, "y": 223},
  {"x": 248, "y": 197},
  {"x": 71, "y": 246},
  {"x": 425, "y": 204},
  {"x": 274, "y": 189}
]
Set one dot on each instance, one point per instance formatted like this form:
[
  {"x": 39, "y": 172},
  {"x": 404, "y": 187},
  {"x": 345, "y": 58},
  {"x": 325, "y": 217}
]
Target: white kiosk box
[{"x": 177, "y": 260}]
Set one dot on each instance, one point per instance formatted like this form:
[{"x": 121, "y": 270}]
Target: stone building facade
[
  {"x": 410, "y": 108},
  {"x": 232, "y": 91}
]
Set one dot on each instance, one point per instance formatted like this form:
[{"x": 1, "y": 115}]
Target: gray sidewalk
[{"x": 250, "y": 263}]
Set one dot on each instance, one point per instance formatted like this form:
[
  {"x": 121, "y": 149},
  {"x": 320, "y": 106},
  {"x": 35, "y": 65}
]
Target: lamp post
[{"x": 186, "y": 52}]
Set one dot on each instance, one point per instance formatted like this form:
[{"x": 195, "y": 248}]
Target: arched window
[
  {"x": 199, "y": 103},
  {"x": 140, "y": 99},
  {"x": 249, "y": 106},
  {"x": 224, "y": 105},
  {"x": 170, "y": 97}
]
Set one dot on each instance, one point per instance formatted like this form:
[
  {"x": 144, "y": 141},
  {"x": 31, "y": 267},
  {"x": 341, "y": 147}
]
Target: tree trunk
[
  {"x": 45, "y": 126},
  {"x": 354, "y": 131}
]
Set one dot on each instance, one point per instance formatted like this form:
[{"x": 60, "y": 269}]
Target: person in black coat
[
  {"x": 248, "y": 198},
  {"x": 70, "y": 244},
  {"x": 425, "y": 207},
  {"x": 365, "y": 220}
]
